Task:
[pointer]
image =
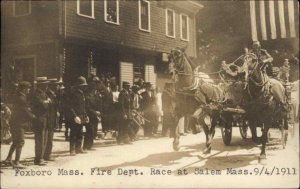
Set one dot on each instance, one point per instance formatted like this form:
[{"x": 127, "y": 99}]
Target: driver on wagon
[{"x": 263, "y": 57}]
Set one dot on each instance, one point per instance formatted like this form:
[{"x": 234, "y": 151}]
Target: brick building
[{"x": 65, "y": 39}]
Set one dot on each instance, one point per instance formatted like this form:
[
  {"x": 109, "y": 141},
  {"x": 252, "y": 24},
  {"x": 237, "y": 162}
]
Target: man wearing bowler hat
[
  {"x": 93, "y": 113},
  {"x": 21, "y": 116},
  {"x": 79, "y": 115},
  {"x": 148, "y": 108},
  {"x": 40, "y": 107},
  {"x": 125, "y": 114}
]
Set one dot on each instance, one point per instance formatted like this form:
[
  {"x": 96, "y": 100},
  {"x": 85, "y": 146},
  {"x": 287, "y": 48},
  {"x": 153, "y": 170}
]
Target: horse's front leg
[
  {"x": 264, "y": 140},
  {"x": 253, "y": 125},
  {"x": 209, "y": 129},
  {"x": 175, "y": 135}
]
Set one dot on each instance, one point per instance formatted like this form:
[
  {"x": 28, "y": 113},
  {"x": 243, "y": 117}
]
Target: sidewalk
[{"x": 60, "y": 147}]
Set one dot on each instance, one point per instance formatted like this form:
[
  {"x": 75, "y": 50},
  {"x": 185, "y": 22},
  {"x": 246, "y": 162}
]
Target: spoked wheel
[
  {"x": 226, "y": 129},
  {"x": 243, "y": 127}
]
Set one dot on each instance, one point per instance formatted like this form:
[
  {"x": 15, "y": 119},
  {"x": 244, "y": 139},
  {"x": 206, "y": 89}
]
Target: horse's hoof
[
  {"x": 262, "y": 157},
  {"x": 176, "y": 146},
  {"x": 207, "y": 151}
]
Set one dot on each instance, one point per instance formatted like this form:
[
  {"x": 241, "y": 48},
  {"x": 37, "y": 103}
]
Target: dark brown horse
[
  {"x": 267, "y": 107},
  {"x": 194, "y": 94}
]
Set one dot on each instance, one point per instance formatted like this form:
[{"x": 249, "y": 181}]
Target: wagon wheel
[
  {"x": 226, "y": 129},
  {"x": 243, "y": 127}
]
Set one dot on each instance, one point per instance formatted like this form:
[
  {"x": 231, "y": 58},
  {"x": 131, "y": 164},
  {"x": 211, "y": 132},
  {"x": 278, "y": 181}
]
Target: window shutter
[
  {"x": 126, "y": 72},
  {"x": 150, "y": 75}
]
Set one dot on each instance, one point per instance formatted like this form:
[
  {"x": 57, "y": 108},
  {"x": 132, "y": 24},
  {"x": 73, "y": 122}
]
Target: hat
[
  {"x": 93, "y": 79},
  {"x": 125, "y": 83},
  {"x": 81, "y": 81},
  {"x": 42, "y": 80},
  {"x": 24, "y": 85},
  {"x": 55, "y": 81},
  {"x": 256, "y": 43}
]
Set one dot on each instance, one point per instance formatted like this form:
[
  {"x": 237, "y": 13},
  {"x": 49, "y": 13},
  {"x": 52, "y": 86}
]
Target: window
[
  {"x": 170, "y": 23},
  {"x": 144, "y": 15},
  {"x": 184, "y": 27},
  {"x": 85, "y": 8},
  {"x": 111, "y": 11},
  {"x": 21, "y": 8}
]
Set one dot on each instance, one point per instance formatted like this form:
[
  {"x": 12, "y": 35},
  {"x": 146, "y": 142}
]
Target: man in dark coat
[
  {"x": 79, "y": 115},
  {"x": 92, "y": 112},
  {"x": 125, "y": 114},
  {"x": 148, "y": 108},
  {"x": 40, "y": 107},
  {"x": 21, "y": 116},
  {"x": 52, "y": 119},
  {"x": 107, "y": 107}
]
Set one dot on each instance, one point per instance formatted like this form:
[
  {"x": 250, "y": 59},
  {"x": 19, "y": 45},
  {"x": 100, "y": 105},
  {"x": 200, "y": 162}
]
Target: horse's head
[{"x": 176, "y": 58}]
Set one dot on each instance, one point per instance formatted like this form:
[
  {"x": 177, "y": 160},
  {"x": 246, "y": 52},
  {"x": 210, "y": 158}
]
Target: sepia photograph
[{"x": 149, "y": 94}]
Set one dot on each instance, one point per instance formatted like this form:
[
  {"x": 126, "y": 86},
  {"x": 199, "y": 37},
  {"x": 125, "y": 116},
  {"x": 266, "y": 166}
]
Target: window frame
[
  {"x": 181, "y": 28},
  {"x": 84, "y": 15},
  {"x": 118, "y": 13},
  {"x": 14, "y": 10},
  {"x": 167, "y": 25},
  {"x": 149, "y": 16}
]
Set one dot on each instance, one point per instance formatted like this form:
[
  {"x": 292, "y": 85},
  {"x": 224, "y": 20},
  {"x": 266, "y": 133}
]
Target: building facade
[{"x": 65, "y": 39}]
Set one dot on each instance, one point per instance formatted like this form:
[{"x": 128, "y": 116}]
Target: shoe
[
  {"x": 18, "y": 165},
  {"x": 128, "y": 142},
  {"x": 40, "y": 163},
  {"x": 81, "y": 152},
  {"x": 72, "y": 153},
  {"x": 91, "y": 149},
  {"x": 7, "y": 162},
  {"x": 49, "y": 159}
]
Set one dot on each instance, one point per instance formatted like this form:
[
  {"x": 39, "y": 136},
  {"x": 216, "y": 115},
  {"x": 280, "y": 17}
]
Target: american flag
[{"x": 274, "y": 19}]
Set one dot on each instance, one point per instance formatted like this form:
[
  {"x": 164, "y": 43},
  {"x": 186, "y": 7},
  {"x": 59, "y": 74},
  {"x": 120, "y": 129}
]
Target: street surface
[{"x": 153, "y": 163}]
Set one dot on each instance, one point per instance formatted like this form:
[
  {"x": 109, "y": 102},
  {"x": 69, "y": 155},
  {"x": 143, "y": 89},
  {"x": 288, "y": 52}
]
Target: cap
[
  {"x": 125, "y": 83},
  {"x": 42, "y": 80},
  {"x": 24, "y": 85},
  {"x": 81, "y": 81}
]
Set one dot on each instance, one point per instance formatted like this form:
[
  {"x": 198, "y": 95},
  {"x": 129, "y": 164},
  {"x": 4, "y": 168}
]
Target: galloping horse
[
  {"x": 267, "y": 101},
  {"x": 194, "y": 91}
]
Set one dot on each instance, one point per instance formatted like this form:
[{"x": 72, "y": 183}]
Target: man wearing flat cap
[
  {"x": 125, "y": 114},
  {"x": 40, "y": 107},
  {"x": 21, "y": 116},
  {"x": 79, "y": 115}
]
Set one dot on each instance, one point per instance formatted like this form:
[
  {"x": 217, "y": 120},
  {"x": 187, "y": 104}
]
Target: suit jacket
[
  {"x": 78, "y": 105},
  {"x": 148, "y": 103},
  {"x": 22, "y": 113},
  {"x": 92, "y": 105},
  {"x": 53, "y": 109},
  {"x": 107, "y": 101},
  {"x": 125, "y": 103},
  {"x": 40, "y": 108}
]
